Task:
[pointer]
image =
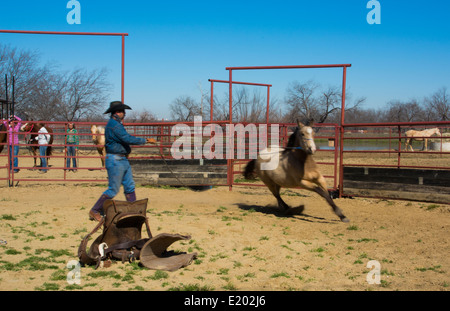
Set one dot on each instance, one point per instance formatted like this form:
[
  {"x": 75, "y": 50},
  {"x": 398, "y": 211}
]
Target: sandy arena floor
[{"x": 242, "y": 241}]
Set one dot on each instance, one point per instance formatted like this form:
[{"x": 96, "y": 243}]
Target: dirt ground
[{"x": 242, "y": 241}]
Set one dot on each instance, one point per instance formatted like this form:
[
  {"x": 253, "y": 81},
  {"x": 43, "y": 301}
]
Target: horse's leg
[
  {"x": 103, "y": 155},
  {"x": 275, "y": 189},
  {"x": 34, "y": 157},
  {"x": 410, "y": 144},
  {"x": 320, "y": 187}
]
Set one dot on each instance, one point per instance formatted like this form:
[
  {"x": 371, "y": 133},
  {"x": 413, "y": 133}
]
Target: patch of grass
[
  {"x": 137, "y": 288},
  {"x": 352, "y": 227},
  {"x": 229, "y": 286},
  {"x": 223, "y": 271},
  {"x": 432, "y": 207},
  {"x": 228, "y": 218},
  {"x": 47, "y": 286},
  {"x": 59, "y": 275},
  {"x": 221, "y": 209},
  {"x": 433, "y": 268},
  {"x": 366, "y": 240},
  {"x": 318, "y": 250},
  {"x": 159, "y": 275},
  {"x": 53, "y": 252},
  {"x": 8, "y": 217},
  {"x": 246, "y": 276},
  {"x": 12, "y": 251},
  {"x": 35, "y": 263},
  {"x": 191, "y": 287},
  {"x": 279, "y": 275}
]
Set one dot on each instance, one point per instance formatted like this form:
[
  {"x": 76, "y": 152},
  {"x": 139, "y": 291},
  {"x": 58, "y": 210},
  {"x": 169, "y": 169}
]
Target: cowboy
[{"x": 117, "y": 145}]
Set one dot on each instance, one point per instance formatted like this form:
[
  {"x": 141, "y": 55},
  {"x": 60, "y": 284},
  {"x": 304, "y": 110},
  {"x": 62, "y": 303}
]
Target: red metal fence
[
  {"x": 89, "y": 168},
  {"x": 361, "y": 144},
  {"x": 383, "y": 145}
]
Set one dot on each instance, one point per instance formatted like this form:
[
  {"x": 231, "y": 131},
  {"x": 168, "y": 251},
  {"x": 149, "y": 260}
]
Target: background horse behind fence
[
  {"x": 295, "y": 168},
  {"x": 33, "y": 129},
  {"x": 420, "y": 135},
  {"x": 98, "y": 137}
]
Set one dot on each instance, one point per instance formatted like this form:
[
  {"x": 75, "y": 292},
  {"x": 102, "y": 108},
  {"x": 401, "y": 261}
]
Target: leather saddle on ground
[{"x": 121, "y": 240}]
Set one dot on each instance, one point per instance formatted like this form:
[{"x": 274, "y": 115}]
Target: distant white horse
[
  {"x": 419, "y": 136},
  {"x": 98, "y": 137}
]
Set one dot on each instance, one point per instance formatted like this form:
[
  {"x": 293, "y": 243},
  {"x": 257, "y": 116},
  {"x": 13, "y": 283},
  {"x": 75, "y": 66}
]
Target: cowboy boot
[
  {"x": 96, "y": 212},
  {"x": 131, "y": 197}
]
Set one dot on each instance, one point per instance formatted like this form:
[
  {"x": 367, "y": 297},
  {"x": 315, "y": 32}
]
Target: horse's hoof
[{"x": 345, "y": 219}]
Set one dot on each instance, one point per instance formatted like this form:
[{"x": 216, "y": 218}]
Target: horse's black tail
[{"x": 249, "y": 172}]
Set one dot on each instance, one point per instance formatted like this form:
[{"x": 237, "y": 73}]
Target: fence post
[{"x": 399, "y": 146}]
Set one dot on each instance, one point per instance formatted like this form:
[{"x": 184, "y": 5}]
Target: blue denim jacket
[{"x": 118, "y": 141}]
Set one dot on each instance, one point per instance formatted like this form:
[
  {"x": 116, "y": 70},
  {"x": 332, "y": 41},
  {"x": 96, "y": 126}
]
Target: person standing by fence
[
  {"x": 13, "y": 128},
  {"x": 43, "y": 138},
  {"x": 72, "y": 141}
]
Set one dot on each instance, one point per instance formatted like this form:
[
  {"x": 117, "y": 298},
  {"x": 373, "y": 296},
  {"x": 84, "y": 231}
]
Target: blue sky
[{"x": 174, "y": 47}]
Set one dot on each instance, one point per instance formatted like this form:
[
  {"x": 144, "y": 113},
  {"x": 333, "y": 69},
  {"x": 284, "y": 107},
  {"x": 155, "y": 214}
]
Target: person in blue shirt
[{"x": 117, "y": 145}]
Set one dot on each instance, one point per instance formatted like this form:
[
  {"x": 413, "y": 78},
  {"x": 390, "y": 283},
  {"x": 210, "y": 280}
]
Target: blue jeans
[
  {"x": 119, "y": 173},
  {"x": 13, "y": 155},
  {"x": 43, "y": 153},
  {"x": 71, "y": 151}
]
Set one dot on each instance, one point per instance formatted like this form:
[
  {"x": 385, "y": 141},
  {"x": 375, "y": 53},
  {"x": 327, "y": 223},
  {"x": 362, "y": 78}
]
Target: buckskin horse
[
  {"x": 419, "y": 136},
  {"x": 32, "y": 129},
  {"x": 296, "y": 168}
]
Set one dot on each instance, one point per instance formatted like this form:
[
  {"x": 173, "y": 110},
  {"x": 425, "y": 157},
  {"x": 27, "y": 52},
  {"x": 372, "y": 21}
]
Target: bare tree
[
  {"x": 184, "y": 108},
  {"x": 303, "y": 103},
  {"x": 24, "y": 67},
  {"x": 43, "y": 93},
  {"x": 247, "y": 107},
  {"x": 44, "y": 100},
  {"x": 398, "y": 111},
  {"x": 140, "y": 116},
  {"x": 81, "y": 93},
  {"x": 438, "y": 105}
]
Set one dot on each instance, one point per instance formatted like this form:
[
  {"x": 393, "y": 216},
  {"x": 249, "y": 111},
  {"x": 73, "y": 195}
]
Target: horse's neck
[{"x": 301, "y": 155}]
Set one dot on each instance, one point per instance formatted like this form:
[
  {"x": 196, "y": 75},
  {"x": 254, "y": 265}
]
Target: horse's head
[
  {"x": 94, "y": 129},
  {"x": 26, "y": 127},
  {"x": 437, "y": 132},
  {"x": 303, "y": 138}
]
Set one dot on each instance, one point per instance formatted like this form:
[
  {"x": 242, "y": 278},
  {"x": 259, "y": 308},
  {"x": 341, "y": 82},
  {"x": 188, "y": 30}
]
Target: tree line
[
  {"x": 309, "y": 101},
  {"x": 44, "y": 92}
]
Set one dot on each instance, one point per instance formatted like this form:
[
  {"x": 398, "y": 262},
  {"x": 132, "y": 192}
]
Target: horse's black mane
[{"x": 291, "y": 141}]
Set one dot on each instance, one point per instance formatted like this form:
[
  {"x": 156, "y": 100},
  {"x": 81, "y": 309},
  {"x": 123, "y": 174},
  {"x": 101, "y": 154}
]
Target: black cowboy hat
[{"x": 116, "y": 106}]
